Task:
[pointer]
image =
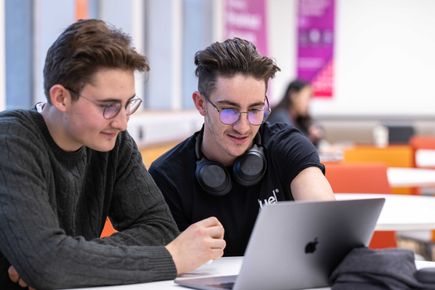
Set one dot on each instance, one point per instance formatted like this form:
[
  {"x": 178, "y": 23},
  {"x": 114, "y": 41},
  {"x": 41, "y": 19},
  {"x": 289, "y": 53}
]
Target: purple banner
[
  {"x": 247, "y": 19},
  {"x": 315, "y": 56}
]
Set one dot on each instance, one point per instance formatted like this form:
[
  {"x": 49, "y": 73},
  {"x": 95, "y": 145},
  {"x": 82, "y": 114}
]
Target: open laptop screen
[{"x": 297, "y": 245}]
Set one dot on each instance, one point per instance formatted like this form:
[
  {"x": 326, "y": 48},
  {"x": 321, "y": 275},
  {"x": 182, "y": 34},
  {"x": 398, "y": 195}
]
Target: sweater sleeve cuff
[{"x": 163, "y": 265}]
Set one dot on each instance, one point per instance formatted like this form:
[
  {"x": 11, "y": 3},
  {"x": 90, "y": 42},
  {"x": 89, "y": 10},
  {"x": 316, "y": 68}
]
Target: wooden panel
[{"x": 151, "y": 153}]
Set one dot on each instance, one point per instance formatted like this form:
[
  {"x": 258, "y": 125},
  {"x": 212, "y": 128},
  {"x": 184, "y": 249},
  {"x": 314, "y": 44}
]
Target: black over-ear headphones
[{"x": 214, "y": 178}]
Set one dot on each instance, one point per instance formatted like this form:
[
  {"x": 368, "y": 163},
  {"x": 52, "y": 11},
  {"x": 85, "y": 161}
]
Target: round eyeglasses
[
  {"x": 230, "y": 116},
  {"x": 111, "y": 109}
]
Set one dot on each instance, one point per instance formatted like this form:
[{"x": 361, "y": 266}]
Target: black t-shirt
[{"x": 287, "y": 153}]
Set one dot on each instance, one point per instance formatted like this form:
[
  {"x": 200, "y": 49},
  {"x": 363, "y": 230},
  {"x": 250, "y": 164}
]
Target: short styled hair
[
  {"x": 228, "y": 58},
  {"x": 85, "y": 47}
]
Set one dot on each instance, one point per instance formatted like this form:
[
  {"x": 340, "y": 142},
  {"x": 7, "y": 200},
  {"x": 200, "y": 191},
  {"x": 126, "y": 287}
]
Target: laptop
[{"x": 298, "y": 244}]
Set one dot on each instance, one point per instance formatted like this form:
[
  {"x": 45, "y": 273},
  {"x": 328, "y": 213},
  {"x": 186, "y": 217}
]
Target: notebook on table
[{"x": 296, "y": 245}]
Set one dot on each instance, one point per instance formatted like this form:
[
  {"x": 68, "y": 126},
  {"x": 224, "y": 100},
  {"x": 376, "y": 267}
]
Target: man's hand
[
  {"x": 199, "y": 243},
  {"x": 15, "y": 277}
]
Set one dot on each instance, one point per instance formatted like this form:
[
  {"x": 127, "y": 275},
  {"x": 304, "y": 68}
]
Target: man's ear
[
  {"x": 199, "y": 102},
  {"x": 60, "y": 97}
]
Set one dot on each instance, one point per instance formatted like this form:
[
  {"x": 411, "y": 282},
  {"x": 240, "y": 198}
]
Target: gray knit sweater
[{"x": 53, "y": 205}]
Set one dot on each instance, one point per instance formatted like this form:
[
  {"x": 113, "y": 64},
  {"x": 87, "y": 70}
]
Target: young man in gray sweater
[{"x": 68, "y": 166}]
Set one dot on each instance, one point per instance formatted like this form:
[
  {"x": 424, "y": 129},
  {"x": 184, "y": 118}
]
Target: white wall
[
  {"x": 159, "y": 127},
  {"x": 46, "y": 30},
  {"x": 282, "y": 44},
  {"x": 384, "y": 56},
  {"x": 384, "y": 64},
  {"x": 114, "y": 12}
]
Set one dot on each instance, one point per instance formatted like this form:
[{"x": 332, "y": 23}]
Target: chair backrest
[
  {"x": 391, "y": 156},
  {"x": 422, "y": 142},
  {"x": 423, "y": 150},
  {"x": 358, "y": 178},
  {"x": 363, "y": 178},
  {"x": 424, "y": 154}
]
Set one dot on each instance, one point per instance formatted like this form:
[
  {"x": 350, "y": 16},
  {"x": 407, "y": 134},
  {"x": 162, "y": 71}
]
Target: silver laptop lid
[{"x": 298, "y": 244}]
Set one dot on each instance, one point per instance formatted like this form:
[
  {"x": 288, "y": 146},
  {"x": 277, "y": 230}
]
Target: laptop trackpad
[{"x": 211, "y": 283}]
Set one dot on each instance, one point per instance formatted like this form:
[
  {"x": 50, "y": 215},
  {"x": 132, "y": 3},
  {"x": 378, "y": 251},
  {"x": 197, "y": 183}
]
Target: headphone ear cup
[
  {"x": 213, "y": 177},
  {"x": 250, "y": 168}
]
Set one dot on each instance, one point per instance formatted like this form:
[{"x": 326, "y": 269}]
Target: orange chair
[
  {"x": 393, "y": 156},
  {"x": 108, "y": 229},
  {"x": 421, "y": 142},
  {"x": 363, "y": 178}
]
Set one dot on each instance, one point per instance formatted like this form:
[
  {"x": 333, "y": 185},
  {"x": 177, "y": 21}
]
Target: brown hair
[
  {"x": 85, "y": 47},
  {"x": 228, "y": 58}
]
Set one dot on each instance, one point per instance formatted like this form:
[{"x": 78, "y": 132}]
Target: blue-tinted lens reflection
[
  {"x": 229, "y": 116},
  {"x": 255, "y": 117}
]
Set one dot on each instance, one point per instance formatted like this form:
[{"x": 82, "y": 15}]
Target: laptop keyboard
[{"x": 225, "y": 285}]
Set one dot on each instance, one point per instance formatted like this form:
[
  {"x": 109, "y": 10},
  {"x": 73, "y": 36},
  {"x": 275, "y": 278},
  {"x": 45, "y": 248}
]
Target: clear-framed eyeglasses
[
  {"x": 230, "y": 116},
  {"x": 111, "y": 109}
]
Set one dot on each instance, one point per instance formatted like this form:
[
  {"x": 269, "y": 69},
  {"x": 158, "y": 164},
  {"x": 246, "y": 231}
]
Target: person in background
[
  {"x": 236, "y": 163},
  {"x": 293, "y": 109},
  {"x": 70, "y": 165}
]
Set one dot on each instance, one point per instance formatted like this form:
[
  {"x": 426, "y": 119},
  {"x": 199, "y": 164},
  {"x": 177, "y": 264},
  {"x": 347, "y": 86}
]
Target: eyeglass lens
[
  {"x": 231, "y": 116},
  {"x": 110, "y": 111}
]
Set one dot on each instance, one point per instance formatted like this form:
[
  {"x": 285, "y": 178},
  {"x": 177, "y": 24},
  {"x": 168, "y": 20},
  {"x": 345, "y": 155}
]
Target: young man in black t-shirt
[{"x": 237, "y": 163}]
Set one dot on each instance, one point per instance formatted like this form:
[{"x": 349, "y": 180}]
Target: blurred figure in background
[{"x": 293, "y": 109}]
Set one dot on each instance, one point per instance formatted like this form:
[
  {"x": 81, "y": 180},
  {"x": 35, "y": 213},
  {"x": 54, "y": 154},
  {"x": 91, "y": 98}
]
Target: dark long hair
[
  {"x": 293, "y": 87},
  {"x": 301, "y": 122}
]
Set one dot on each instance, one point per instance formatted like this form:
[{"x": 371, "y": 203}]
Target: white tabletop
[
  {"x": 402, "y": 212},
  {"x": 411, "y": 177},
  {"x": 223, "y": 266},
  {"x": 425, "y": 157}
]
